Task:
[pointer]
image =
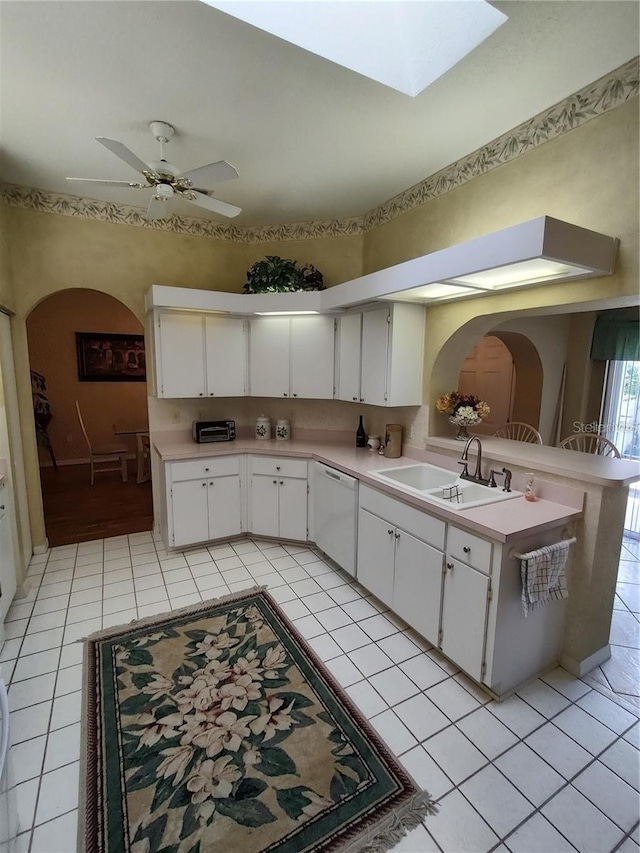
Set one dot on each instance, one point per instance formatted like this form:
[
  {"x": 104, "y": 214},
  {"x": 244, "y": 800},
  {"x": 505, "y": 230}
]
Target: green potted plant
[{"x": 280, "y": 275}]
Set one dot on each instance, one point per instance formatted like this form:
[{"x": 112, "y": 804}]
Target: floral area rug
[{"x": 215, "y": 729}]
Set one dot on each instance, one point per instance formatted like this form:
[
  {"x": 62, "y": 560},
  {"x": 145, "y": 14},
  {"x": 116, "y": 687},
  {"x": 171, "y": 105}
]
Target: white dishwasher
[{"x": 336, "y": 515}]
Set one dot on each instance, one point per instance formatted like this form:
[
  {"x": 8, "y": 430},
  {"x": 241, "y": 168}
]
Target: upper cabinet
[
  {"x": 200, "y": 355},
  {"x": 380, "y": 354},
  {"x": 292, "y": 356}
]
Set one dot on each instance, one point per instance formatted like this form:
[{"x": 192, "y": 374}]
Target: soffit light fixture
[
  {"x": 404, "y": 45},
  {"x": 541, "y": 251}
]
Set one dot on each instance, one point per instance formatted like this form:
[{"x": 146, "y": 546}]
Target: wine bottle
[{"x": 361, "y": 435}]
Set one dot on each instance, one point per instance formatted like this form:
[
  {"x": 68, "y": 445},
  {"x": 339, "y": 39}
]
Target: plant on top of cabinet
[{"x": 281, "y": 275}]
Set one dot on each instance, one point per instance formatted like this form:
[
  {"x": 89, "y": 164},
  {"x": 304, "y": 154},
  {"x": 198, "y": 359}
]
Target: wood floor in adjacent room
[{"x": 75, "y": 511}]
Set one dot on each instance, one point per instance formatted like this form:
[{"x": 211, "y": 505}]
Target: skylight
[{"x": 404, "y": 45}]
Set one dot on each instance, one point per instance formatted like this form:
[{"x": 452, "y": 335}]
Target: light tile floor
[{"x": 553, "y": 768}]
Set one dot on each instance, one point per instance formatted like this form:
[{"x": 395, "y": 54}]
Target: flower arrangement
[
  {"x": 464, "y": 410},
  {"x": 281, "y": 275}
]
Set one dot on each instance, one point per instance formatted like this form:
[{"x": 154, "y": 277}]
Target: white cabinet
[
  {"x": 464, "y": 616},
  {"x": 204, "y": 500},
  {"x": 292, "y": 357},
  {"x": 200, "y": 355},
  {"x": 278, "y": 497},
  {"x": 8, "y": 580},
  {"x": 396, "y": 563},
  {"x": 380, "y": 353}
]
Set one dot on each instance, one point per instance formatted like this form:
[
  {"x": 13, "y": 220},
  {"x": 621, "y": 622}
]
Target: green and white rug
[{"x": 216, "y": 729}]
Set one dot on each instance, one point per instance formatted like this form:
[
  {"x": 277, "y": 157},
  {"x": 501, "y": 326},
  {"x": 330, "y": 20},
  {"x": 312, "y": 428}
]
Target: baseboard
[
  {"x": 582, "y": 667},
  {"x": 41, "y": 549}
]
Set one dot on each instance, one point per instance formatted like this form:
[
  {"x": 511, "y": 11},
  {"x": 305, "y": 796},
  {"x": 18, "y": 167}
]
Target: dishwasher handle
[{"x": 340, "y": 478}]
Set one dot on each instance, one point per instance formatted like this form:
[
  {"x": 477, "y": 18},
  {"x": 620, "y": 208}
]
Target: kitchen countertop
[
  {"x": 541, "y": 458},
  {"x": 523, "y": 518}
]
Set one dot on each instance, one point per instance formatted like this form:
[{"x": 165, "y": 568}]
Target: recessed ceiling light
[{"x": 404, "y": 45}]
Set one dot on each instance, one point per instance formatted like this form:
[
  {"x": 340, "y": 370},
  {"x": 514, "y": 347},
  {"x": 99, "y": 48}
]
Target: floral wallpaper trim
[{"x": 597, "y": 98}]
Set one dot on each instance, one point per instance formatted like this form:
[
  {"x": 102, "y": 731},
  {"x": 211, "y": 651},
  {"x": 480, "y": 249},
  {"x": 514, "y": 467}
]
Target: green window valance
[{"x": 616, "y": 336}]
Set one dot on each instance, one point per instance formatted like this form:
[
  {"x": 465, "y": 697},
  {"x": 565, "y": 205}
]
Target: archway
[
  {"x": 104, "y": 371},
  {"x": 527, "y": 401}
]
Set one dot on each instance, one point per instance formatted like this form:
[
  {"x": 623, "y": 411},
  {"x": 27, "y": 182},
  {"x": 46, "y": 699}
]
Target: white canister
[
  {"x": 283, "y": 430},
  {"x": 373, "y": 442},
  {"x": 263, "y": 428}
]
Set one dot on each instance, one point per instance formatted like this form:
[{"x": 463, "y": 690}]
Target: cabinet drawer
[
  {"x": 420, "y": 524},
  {"x": 275, "y": 466},
  {"x": 196, "y": 469},
  {"x": 469, "y": 549}
]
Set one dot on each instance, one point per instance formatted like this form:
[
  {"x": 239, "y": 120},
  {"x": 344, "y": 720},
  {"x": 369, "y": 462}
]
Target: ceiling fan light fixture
[{"x": 164, "y": 192}]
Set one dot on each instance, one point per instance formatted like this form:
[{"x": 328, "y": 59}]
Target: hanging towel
[{"x": 543, "y": 575}]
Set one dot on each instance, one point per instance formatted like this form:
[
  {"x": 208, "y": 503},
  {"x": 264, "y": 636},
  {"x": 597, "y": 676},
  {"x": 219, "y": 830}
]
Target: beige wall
[
  {"x": 6, "y": 290},
  {"x": 51, "y": 328},
  {"x": 588, "y": 177}
]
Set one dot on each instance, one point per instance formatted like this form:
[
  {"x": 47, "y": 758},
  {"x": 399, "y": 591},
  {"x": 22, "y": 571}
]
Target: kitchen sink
[
  {"x": 442, "y": 487},
  {"x": 420, "y": 476}
]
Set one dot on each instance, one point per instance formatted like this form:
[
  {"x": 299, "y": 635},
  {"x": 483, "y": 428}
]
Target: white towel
[{"x": 543, "y": 575}]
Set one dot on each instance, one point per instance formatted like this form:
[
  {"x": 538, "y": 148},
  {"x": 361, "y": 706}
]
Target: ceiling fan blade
[
  {"x": 100, "y": 182},
  {"x": 214, "y": 173},
  {"x": 210, "y": 203},
  {"x": 158, "y": 208},
  {"x": 123, "y": 153}
]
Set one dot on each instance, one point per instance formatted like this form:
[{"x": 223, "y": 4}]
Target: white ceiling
[{"x": 311, "y": 140}]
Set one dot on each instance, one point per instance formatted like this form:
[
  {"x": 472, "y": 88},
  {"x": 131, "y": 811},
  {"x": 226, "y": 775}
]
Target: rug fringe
[{"x": 391, "y": 830}]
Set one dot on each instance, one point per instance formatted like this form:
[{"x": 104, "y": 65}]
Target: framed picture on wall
[{"x": 104, "y": 357}]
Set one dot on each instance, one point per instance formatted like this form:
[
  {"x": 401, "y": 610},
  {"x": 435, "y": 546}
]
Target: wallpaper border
[{"x": 605, "y": 94}]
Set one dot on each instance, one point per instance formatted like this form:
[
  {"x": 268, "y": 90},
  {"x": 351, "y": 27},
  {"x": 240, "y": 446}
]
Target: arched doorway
[
  {"x": 505, "y": 370},
  {"x": 80, "y": 342}
]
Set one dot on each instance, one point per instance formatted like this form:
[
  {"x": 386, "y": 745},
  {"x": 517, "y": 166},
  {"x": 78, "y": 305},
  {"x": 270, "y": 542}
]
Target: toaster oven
[{"x": 204, "y": 431}]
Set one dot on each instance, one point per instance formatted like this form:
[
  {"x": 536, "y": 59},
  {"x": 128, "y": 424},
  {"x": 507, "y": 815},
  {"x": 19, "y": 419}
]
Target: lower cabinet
[
  {"x": 402, "y": 571},
  {"x": 465, "y": 605},
  {"x": 8, "y": 581},
  {"x": 204, "y": 500},
  {"x": 278, "y": 497}
]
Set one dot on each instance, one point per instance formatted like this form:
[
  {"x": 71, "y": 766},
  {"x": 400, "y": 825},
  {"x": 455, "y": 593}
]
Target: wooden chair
[
  {"x": 110, "y": 458},
  {"x": 590, "y": 442},
  {"x": 518, "y": 431},
  {"x": 143, "y": 457}
]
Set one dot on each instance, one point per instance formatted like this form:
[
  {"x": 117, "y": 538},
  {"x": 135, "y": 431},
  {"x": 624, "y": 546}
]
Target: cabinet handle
[
  {"x": 397, "y": 535},
  {"x": 294, "y": 394},
  {"x": 2, "y": 507},
  {"x": 211, "y": 393},
  {"x": 449, "y": 566},
  {"x": 201, "y": 394},
  {"x": 277, "y": 467},
  {"x": 284, "y": 394},
  {"x": 389, "y": 532},
  {"x": 355, "y": 398},
  {"x": 211, "y": 483},
  {"x": 206, "y": 470},
  {"x": 275, "y": 482},
  {"x": 204, "y": 484},
  {"x": 282, "y": 482},
  {"x": 362, "y": 399},
  {"x": 466, "y": 549}
]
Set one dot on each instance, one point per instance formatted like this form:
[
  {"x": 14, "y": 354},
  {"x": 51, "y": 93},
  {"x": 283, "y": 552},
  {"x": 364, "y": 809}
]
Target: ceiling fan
[{"x": 167, "y": 180}]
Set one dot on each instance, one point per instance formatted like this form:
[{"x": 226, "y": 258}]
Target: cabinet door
[
  {"x": 269, "y": 356},
  {"x": 8, "y": 580},
  {"x": 375, "y": 337},
  {"x": 225, "y": 511},
  {"x": 375, "y": 555},
  {"x": 263, "y": 505},
  {"x": 311, "y": 356},
  {"x": 226, "y": 356},
  {"x": 417, "y": 589},
  {"x": 181, "y": 355},
  {"x": 464, "y": 616},
  {"x": 189, "y": 512},
  {"x": 293, "y": 508},
  {"x": 349, "y": 343}
]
